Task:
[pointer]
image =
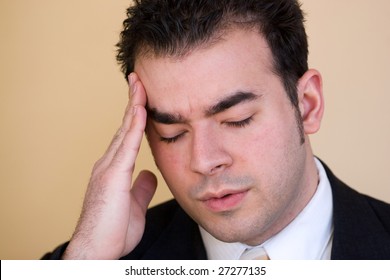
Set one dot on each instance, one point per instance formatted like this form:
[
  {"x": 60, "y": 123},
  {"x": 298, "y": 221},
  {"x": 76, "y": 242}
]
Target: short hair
[{"x": 175, "y": 27}]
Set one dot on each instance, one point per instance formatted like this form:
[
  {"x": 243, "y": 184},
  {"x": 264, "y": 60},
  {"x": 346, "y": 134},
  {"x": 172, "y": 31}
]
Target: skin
[
  {"x": 112, "y": 220},
  {"x": 241, "y": 173},
  {"x": 224, "y": 136}
]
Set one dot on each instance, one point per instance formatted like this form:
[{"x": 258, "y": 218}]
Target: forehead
[{"x": 240, "y": 61}]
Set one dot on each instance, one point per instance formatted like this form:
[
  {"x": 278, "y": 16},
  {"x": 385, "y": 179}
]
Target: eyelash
[
  {"x": 238, "y": 124},
  {"x": 171, "y": 139}
]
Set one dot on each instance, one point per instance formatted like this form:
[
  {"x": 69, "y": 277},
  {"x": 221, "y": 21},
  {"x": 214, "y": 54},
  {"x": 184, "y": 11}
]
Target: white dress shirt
[{"x": 308, "y": 237}]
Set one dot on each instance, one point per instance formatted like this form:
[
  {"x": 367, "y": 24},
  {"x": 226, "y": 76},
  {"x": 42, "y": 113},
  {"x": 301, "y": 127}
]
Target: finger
[
  {"x": 133, "y": 100},
  {"x": 138, "y": 93},
  {"x": 137, "y": 97},
  {"x": 141, "y": 194},
  {"x": 127, "y": 117},
  {"x": 125, "y": 156},
  {"x": 144, "y": 188},
  {"x": 118, "y": 137}
]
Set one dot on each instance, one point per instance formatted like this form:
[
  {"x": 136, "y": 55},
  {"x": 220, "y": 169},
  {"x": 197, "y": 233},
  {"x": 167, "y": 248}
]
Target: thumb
[{"x": 144, "y": 188}]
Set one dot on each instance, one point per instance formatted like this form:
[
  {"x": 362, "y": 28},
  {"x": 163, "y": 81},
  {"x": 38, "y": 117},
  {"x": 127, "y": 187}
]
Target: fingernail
[
  {"x": 131, "y": 83},
  {"x": 131, "y": 79}
]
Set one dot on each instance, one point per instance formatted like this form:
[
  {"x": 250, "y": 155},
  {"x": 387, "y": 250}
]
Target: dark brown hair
[{"x": 174, "y": 27}]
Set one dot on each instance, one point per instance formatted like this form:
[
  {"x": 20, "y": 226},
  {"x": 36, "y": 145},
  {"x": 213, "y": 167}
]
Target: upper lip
[{"x": 220, "y": 194}]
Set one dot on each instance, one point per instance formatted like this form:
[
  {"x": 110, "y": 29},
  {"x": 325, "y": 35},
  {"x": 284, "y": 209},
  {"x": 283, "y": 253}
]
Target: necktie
[{"x": 256, "y": 253}]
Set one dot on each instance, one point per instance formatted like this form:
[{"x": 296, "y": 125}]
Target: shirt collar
[
  {"x": 308, "y": 236},
  {"x": 218, "y": 250}
]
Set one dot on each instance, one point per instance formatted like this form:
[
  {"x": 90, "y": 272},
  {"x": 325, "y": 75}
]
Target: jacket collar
[{"x": 358, "y": 233}]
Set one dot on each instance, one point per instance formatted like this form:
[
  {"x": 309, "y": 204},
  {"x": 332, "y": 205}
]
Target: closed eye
[
  {"x": 170, "y": 140},
  {"x": 235, "y": 124},
  {"x": 241, "y": 123}
]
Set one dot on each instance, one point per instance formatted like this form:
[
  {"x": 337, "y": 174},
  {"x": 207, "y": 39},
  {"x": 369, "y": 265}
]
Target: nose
[{"x": 209, "y": 154}]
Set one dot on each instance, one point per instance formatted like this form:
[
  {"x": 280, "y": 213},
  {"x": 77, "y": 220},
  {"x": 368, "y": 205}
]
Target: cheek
[
  {"x": 265, "y": 149},
  {"x": 173, "y": 169},
  {"x": 259, "y": 141},
  {"x": 163, "y": 154},
  {"x": 166, "y": 159},
  {"x": 170, "y": 161}
]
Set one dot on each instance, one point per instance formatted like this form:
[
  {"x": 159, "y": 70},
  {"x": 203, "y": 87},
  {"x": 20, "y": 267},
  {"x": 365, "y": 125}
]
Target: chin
[{"x": 229, "y": 232}]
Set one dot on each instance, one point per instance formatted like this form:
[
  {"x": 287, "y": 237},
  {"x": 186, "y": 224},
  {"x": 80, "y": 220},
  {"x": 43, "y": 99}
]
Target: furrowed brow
[
  {"x": 164, "y": 118},
  {"x": 223, "y": 105},
  {"x": 230, "y": 101}
]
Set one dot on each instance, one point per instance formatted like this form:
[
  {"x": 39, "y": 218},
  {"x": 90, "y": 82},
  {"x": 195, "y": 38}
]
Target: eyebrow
[
  {"x": 164, "y": 118},
  {"x": 230, "y": 101},
  {"x": 222, "y": 105}
]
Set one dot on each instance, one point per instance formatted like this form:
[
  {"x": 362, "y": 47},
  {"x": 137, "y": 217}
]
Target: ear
[{"x": 311, "y": 100}]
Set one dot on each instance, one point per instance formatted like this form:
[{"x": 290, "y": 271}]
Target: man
[{"x": 223, "y": 91}]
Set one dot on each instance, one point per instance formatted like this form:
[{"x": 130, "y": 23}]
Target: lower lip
[{"x": 226, "y": 203}]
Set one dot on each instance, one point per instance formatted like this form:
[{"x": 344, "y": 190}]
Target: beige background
[{"x": 62, "y": 97}]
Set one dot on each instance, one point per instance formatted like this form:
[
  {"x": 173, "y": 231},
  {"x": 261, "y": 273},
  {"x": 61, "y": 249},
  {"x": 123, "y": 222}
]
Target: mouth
[{"x": 224, "y": 201}]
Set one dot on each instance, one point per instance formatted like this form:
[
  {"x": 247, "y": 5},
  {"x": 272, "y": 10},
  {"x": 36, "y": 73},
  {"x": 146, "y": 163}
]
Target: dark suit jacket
[{"x": 361, "y": 229}]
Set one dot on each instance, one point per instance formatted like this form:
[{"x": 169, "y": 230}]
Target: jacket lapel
[
  {"x": 181, "y": 240},
  {"x": 358, "y": 233}
]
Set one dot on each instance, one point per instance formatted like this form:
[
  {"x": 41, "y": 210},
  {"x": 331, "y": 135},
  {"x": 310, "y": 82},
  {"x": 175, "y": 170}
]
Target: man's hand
[{"x": 112, "y": 221}]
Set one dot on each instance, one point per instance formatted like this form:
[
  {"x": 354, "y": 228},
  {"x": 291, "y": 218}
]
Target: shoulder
[
  {"x": 169, "y": 234},
  {"x": 350, "y": 200},
  {"x": 361, "y": 223},
  {"x": 167, "y": 216},
  {"x": 162, "y": 213}
]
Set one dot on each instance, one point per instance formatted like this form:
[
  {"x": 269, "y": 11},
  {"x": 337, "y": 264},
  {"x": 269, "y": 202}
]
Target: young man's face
[{"x": 225, "y": 137}]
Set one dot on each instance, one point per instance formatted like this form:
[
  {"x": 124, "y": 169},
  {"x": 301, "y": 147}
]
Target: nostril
[{"x": 214, "y": 169}]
